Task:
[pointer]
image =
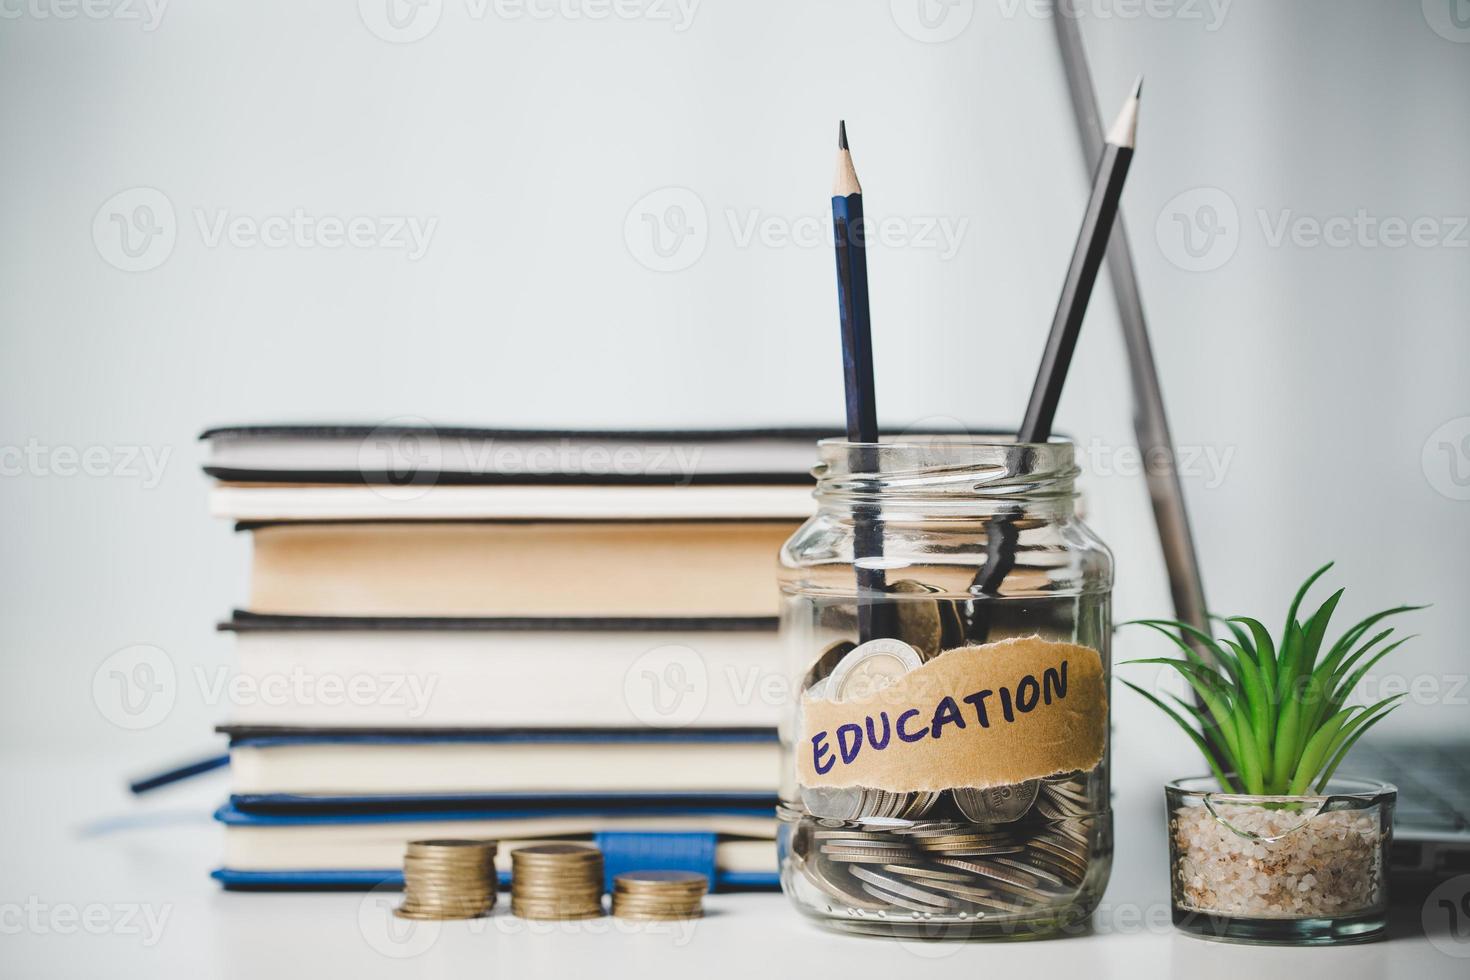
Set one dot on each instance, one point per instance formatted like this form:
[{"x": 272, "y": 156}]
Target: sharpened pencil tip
[
  {"x": 1138, "y": 87},
  {"x": 842, "y": 134}
]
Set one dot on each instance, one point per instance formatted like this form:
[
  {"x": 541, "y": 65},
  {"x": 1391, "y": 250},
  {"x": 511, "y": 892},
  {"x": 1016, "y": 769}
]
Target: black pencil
[
  {"x": 857, "y": 371},
  {"x": 1087, "y": 256},
  {"x": 1150, "y": 420}
]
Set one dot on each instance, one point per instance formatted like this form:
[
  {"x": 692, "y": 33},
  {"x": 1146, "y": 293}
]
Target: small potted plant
[{"x": 1271, "y": 848}]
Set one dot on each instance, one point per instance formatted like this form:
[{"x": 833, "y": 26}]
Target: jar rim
[
  {"x": 1368, "y": 790},
  {"x": 949, "y": 467},
  {"x": 928, "y": 440}
]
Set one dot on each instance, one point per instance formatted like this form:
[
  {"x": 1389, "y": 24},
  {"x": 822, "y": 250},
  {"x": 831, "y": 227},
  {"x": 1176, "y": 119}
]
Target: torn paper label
[{"x": 980, "y": 716}]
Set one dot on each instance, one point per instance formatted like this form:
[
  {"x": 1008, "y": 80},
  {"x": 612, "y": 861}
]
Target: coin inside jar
[
  {"x": 919, "y": 620},
  {"x": 996, "y": 804},
  {"x": 871, "y": 667}
]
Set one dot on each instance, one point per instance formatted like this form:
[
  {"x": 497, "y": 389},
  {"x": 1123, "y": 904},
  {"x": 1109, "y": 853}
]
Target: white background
[{"x": 1317, "y": 374}]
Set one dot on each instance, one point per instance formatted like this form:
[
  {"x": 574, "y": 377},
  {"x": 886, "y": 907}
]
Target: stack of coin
[
  {"x": 448, "y": 879},
  {"x": 556, "y": 881},
  {"x": 659, "y": 895}
]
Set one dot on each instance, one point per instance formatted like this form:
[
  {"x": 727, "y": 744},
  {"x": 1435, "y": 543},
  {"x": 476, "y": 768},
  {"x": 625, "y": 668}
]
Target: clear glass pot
[
  {"x": 947, "y": 620},
  {"x": 1299, "y": 870}
]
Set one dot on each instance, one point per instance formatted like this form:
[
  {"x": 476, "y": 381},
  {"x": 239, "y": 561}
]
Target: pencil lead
[
  {"x": 1125, "y": 126},
  {"x": 842, "y": 134}
]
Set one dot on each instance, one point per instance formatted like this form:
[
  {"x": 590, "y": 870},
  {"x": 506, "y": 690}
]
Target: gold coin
[{"x": 919, "y": 621}]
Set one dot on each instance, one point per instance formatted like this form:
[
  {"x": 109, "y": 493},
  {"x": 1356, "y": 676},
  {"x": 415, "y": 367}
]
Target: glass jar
[
  {"x": 947, "y": 619},
  {"x": 1299, "y": 870}
]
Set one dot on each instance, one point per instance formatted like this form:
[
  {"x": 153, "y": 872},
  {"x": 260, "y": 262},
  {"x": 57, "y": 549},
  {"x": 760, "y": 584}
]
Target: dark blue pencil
[
  {"x": 852, "y": 296},
  {"x": 849, "y": 232}
]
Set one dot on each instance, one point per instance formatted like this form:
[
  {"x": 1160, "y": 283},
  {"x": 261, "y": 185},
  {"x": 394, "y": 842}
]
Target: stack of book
[{"x": 529, "y": 636}]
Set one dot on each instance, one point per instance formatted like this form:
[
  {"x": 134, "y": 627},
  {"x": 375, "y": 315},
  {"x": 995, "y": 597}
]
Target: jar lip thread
[
  {"x": 927, "y": 441},
  {"x": 946, "y": 467}
]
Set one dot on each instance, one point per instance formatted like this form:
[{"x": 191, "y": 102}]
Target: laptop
[{"x": 1431, "y": 829}]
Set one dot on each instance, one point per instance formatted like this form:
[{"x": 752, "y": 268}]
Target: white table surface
[{"x": 137, "y": 901}]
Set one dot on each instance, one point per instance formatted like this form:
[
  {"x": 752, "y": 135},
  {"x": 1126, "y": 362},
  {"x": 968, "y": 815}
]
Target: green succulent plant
[{"x": 1272, "y": 716}]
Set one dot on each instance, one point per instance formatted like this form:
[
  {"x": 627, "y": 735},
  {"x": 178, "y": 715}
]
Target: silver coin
[
  {"x": 871, "y": 667},
  {"x": 876, "y": 803},
  {"x": 1050, "y": 810},
  {"x": 838, "y": 803},
  {"x": 922, "y": 833},
  {"x": 1065, "y": 799},
  {"x": 821, "y": 669},
  {"x": 919, "y": 804},
  {"x": 891, "y": 901},
  {"x": 1062, "y": 850},
  {"x": 837, "y": 847},
  {"x": 897, "y": 887},
  {"x": 997, "y": 804},
  {"x": 927, "y": 872},
  {"x": 1031, "y": 868},
  {"x": 851, "y": 836},
  {"x": 834, "y": 884},
  {"x": 852, "y": 857},
  {"x": 964, "y": 837},
  {"x": 978, "y": 895},
  {"x": 1071, "y": 872}
]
